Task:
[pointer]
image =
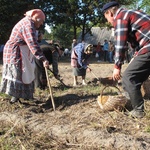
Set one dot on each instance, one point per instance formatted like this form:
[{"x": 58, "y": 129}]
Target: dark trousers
[
  {"x": 105, "y": 55},
  {"x": 40, "y": 80},
  {"x": 133, "y": 77}
]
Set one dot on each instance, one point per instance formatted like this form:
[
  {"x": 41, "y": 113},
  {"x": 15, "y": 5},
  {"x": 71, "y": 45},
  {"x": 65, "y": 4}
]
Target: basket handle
[{"x": 105, "y": 88}]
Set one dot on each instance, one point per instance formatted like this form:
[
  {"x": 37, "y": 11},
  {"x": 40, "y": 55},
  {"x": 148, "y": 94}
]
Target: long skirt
[
  {"x": 12, "y": 84},
  {"x": 79, "y": 72}
]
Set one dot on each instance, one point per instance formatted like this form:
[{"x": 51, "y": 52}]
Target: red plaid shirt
[
  {"x": 23, "y": 33},
  {"x": 132, "y": 26}
]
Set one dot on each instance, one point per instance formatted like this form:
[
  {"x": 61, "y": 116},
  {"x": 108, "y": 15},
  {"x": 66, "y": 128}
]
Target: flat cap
[{"x": 108, "y": 5}]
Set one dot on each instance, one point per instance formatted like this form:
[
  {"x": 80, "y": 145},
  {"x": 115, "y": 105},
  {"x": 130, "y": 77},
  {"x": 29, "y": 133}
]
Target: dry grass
[{"x": 77, "y": 124}]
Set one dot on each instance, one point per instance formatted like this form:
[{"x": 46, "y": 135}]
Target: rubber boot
[
  {"x": 137, "y": 100},
  {"x": 137, "y": 104}
]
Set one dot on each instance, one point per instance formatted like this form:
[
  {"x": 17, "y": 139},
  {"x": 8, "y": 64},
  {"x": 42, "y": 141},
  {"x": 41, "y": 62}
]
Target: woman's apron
[{"x": 28, "y": 65}]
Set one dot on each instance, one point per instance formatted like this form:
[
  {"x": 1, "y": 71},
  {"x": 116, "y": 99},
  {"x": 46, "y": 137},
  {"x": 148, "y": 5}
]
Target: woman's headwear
[
  {"x": 38, "y": 12},
  {"x": 88, "y": 47}
]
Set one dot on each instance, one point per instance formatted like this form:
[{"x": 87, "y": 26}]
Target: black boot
[
  {"x": 135, "y": 113},
  {"x": 137, "y": 100},
  {"x": 13, "y": 100},
  {"x": 137, "y": 104}
]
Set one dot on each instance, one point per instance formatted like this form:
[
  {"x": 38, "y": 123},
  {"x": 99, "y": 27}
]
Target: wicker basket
[
  {"x": 108, "y": 81},
  {"x": 145, "y": 89},
  {"x": 110, "y": 103}
]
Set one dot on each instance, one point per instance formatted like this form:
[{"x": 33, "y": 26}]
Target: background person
[
  {"x": 80, "y": 54},
  {"x": 66, "y": 52},
  {"x": 1, "y": 53},
  {"x": 111, "y": 51},
  {"x": 18, "y": 63},
  {"x": 131, "y": 26},
  {"x": 74, "y": 43},
  {"x": 105, "y": 50},
  {"x": 99, "y": 51},
  {"x": 40, "y": 74},
  {"x": 56, "y": 54}
]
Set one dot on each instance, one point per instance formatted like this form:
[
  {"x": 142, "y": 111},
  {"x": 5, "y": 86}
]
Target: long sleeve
[
  {"x": 79, "y": 50},
  {"x": 121, "y": 33}
]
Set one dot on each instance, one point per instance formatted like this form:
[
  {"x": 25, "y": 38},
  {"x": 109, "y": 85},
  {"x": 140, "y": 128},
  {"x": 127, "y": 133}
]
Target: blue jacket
[{"x": 81, "y": 57}]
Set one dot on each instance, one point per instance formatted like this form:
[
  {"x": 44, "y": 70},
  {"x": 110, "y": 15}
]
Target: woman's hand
[
  {"x": 46, "y": 63},
  {"x": 89, "y": 69}
]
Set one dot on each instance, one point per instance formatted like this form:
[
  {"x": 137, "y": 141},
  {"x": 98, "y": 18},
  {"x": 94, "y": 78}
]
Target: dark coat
[{"x": 40, "y": 75}]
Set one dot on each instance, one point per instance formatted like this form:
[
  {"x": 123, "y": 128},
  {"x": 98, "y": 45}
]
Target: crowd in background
[{"x": 105, "y": 52}]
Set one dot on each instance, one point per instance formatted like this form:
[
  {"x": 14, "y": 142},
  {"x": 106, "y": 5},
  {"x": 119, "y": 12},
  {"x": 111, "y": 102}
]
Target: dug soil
[{"x": 78, "y": 122}]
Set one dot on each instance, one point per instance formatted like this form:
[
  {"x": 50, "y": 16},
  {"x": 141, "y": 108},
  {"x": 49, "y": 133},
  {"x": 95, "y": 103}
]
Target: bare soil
[{"x": 78, "y": 123}]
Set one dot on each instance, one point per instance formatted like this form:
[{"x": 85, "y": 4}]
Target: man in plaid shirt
[{"x": 131, "y": 26}]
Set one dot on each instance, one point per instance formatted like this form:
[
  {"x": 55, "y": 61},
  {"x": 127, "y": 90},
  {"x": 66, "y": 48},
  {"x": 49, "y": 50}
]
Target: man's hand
[
  {"x": 116, "y": 74},
  {"x": 46, "y": 64}
]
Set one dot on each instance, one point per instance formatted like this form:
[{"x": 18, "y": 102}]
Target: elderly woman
[
  {"x": 18, "y": 63},
  {"x": 80, "y": 54}
]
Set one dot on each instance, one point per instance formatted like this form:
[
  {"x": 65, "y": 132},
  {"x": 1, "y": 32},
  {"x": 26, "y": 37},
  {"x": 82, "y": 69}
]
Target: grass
[
  {"x": 4, "y": 96},
  {"x": 77, "y": 124},
  {"x": 14, "y": 138},
  {"x": 147, "y": 129}
]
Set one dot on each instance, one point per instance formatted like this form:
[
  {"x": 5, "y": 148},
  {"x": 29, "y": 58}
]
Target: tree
[
  {"x": 145, "y": 6},
  {"x": 75, "y": 13},
  {"x": 11, "y": 12},
  {"x": 63, "y": 34},
  {"x": 141, "y": 5},
  {"x": 83, "y": 14},
  {"x": 72, "y": 14}
]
